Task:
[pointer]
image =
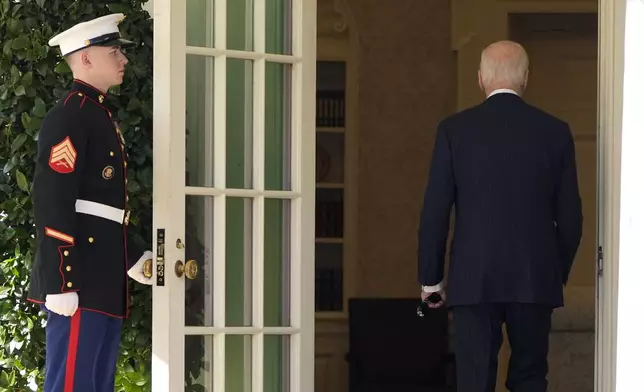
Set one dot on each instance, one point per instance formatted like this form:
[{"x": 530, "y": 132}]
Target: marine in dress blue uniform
[{"x": 83, "y": 259}]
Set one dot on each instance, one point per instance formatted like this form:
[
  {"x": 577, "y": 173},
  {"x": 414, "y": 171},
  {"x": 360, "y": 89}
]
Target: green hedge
[{"x": 32, "y": 79}]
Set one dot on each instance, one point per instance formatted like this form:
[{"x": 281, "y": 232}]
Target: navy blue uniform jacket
[
  {"x": 81, "y": 155},
  {"x": 509, "y": 170}
]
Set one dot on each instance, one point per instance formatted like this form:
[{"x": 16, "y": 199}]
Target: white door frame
[
  {"x": 168, "y": 155},
  {"x": 630, "y": 290},
  {"x": 608, "y": 153},
  {"x": 620, "y": 341},
  {"x": 169, "y": 191}
]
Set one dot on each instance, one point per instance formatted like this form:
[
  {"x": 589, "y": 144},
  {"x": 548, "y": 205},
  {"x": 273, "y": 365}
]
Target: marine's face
[{"x": 108, "y": 64}]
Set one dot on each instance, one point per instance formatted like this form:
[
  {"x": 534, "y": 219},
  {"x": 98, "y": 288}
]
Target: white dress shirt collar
[{"x": 503, "y": 90}]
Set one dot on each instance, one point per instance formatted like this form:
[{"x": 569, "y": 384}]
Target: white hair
[{"x": 506, "y": 68}]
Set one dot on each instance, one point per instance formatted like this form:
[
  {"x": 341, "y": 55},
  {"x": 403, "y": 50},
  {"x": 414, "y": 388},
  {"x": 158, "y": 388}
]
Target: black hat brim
[{"x": 123, "y": 43}]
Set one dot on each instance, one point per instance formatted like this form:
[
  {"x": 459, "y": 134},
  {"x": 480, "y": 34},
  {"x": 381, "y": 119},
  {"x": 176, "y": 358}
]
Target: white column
[{"x": 630, "y": 295}]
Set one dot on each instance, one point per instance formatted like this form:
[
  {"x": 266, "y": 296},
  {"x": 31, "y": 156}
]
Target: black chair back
[{"x": 391, "y": 347}]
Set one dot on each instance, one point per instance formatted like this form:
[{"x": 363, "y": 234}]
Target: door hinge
[{"x": 600, "y": 262}]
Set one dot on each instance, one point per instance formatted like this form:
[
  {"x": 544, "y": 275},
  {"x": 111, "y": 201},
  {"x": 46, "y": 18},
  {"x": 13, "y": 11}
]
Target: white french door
[{"x": 234, "y": 188}]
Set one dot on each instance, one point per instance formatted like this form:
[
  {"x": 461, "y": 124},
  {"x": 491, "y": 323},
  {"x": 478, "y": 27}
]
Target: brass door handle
[
  {"x": 147, "y": 268},
  {"x": 190, "y": 269}
]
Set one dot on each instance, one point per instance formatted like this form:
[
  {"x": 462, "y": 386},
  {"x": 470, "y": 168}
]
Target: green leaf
[
  {"x": 25, "y": 119},
  {"x": 134, "y": 120},
  {"x": 133, "y": 105},
  {"x": 13, "y": 26},
  {"x": 62, "y": 68},
  {"x": 40, "y": 110},
  {"x": 20, "y": 91},
  {"x": 6, "y": 48},
  {"x": 34, "y": 124},
  {"x": 16, "y": 8},
  {"x": 22, "y": 181},
  {"x": 5, "y": 379},
  {"x": 133, "y": 187},
  {"x": 4, "y": 291},
  {"x": 27, "y": 79},
  {"x": 15, "y": 74},
  {"x": 18, "y": 142},
  {"x": 115, "y": 7},
  {"x": 42, "y": 69},
  {"x": 20, "y": 43},
  {"x": 8, "y": 166}
]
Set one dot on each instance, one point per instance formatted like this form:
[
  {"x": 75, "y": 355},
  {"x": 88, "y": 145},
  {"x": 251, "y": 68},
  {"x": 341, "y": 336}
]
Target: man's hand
[
  {"x": 441, "y": 293},
  {"x": 64, "y": 304},
  {"x": 136, "y": 272}
]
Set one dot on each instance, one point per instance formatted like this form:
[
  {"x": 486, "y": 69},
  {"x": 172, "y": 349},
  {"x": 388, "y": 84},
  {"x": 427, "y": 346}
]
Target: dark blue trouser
[
  {"x": 81, "y": 352},
  {"x": 479, "y": 335}
]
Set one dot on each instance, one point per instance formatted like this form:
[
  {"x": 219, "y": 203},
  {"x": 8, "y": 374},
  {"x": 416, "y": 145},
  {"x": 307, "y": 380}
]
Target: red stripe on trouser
[{"x": 74, "y": 332}]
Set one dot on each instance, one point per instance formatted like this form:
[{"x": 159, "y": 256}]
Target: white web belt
[{"x": 101, "y": 210}]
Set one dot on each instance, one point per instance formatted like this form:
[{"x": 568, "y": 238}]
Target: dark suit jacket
[{"x": 509, "y": 170}]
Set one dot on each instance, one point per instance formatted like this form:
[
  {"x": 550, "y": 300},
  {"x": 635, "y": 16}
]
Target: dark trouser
[
  {"x": 81, "y": 352},
  {"x": 479, "y": 337}
]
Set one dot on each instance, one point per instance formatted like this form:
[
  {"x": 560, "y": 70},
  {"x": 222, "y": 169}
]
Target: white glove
[
  {"x": 136, "y": 272},
  {"x": 64, "y": 304}
]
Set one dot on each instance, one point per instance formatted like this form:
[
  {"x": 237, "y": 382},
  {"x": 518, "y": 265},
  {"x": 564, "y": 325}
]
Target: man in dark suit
[{"x": 509, "y": 170}]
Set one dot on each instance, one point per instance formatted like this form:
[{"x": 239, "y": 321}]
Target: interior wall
[
  {"x": 563, "y": 53},
  {"x": 407, "y": 83},
  {"x": 401, "y": 82}
]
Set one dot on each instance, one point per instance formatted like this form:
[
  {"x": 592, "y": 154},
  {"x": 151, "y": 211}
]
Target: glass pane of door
[{"x": 241, "y": 196}]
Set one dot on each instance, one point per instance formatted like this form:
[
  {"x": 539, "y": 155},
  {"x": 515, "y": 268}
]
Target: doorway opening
[{"x": 405, "y": 68}]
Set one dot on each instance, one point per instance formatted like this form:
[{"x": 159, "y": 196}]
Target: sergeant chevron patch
[{"x": 63, "y": 157}]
